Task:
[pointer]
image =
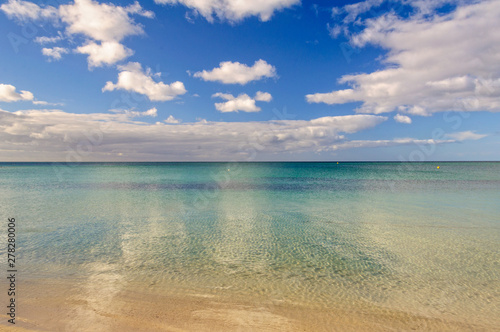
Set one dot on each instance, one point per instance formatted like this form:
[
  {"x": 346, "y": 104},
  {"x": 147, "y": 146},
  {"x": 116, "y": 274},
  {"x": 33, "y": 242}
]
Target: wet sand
[{"x": 66, "y": 306}]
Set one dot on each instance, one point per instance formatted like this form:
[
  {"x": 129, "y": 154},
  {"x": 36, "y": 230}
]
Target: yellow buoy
[
  {"x": 337, "y": 162},
  {"x": 438, "y": 167}
]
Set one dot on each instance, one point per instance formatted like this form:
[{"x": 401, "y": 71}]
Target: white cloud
[
  {"x": 98, "y": 21},
  {"x": 48, "y": 40},
  {"x": 233, "y": 10},
  {"x": 153, "y": 112},
  {"x": 55, "y": 53},
  {"x": 263, "y": 96},
  {"x": 352, "y": 11},
  {"x": 402, "y": 118},
  {"x": 383, "y": 143},
  {"x": 465, "y": 135},
  {"x": 50, "y": 134},
  {"x": 462, "y": 83},
  {"x": 171, "y": 119},
  {"x": 335, "y": 97},
  {"x": 8, "y": 94},
  {"x": 46, "y": 103},
  {"x": 106, "y": 23},
  {"x": 106, "y": 53},
  {"x": 414, "y": 110},
  {"x": 101, "y": 21},
  {"x": 25, "y": 10},
  {"x": 241, "y": 103},
  {"x": 133, "y": 78},
  {"x": 434, "y": 63},
  {"x": 234, "y": 104},
  {"x": 237, "y": 73},
  {"x": 103, "y": 25}
]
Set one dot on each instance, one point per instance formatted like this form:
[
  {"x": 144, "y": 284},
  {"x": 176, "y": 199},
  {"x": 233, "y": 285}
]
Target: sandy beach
[{"x": 65, "y": 306}]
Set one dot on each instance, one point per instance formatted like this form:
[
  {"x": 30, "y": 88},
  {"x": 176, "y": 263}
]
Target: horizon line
[{"x": 277, "y": 161}]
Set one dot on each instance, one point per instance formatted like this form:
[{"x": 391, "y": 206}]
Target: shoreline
[{"x": 66, "y": 306}]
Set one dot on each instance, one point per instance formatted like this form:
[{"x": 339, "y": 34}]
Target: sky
[{"x": 263, "y": 80}]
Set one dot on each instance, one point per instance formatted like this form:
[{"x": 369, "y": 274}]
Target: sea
[{"x": 422, "y": 239}]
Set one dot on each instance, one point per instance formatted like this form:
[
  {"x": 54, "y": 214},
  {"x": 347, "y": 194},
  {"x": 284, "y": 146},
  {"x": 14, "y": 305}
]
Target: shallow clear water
[{"x": 402, "y": 236}]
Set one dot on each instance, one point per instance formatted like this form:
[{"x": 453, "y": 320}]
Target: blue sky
[{"x": 175, "y": 80}]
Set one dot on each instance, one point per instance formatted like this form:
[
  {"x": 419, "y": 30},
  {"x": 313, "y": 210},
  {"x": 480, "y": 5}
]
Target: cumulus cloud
[
  {"x": 57, "y": 135},
  {"x": 25, "y": 10},
  {"x": 465, "y": 135},
  {"x": 101, "y": 21},
  {"x": 103, "y": 25},
  {"x": 98, "y": 21},
  {"x": 233, "y": 10},
  {"x": 106, "y": 23},
  {"x": 263, "y": 96},
  {"x": 242, "y": 103},
  {"x": 54, "y": 53},
  {"x": 237, "y": 73},
  {"x": 153, "y": 112},
  {"x": 171, "y": 119},
  {"x": 8, "y": 94},
  {"x": 435, "y": 63},
  {"x": 106, "y": 53},
  {"x": 133, "y": 78},
  {"x": 402, "y": 118}
]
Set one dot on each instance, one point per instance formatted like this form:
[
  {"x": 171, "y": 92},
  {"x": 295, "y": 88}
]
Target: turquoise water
[{"x": 400, "y": 236}]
